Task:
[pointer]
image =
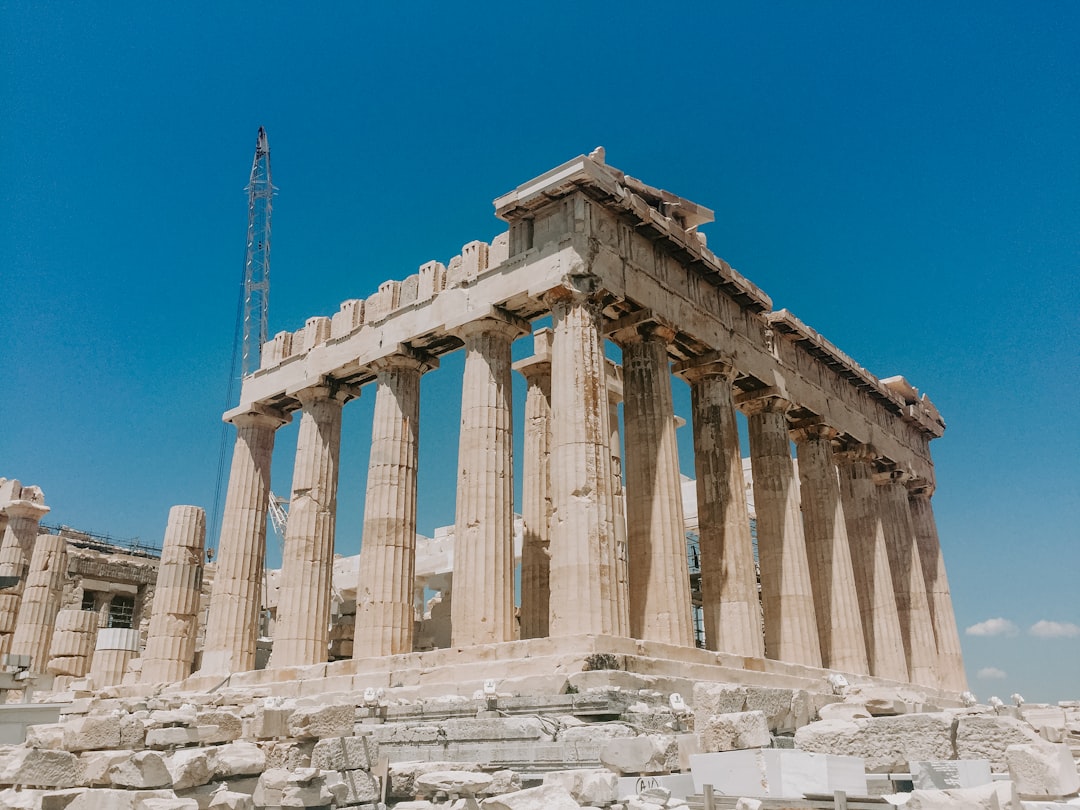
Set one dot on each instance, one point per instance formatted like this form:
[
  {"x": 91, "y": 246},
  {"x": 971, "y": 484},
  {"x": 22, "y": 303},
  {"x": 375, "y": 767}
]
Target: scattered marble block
[
  {"x": 947, "y": 774},
  {"x": 778, "y": 773}
]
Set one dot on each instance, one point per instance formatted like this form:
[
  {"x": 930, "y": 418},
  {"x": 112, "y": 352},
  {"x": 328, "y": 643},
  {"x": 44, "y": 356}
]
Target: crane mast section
[{"x": 257, "y": 261}]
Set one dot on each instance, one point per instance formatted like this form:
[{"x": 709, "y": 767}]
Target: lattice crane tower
[{"x": 260, "y": 191}]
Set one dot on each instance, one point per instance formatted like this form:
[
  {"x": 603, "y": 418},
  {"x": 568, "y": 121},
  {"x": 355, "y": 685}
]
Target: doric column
[
  {"x": 870, "y": 563},
  {"x": 174, "y": 615},
  {"x": 536, "y": 488},
  {"x": 828, "y": 550},
  {"x": 950, "y": 660},
  {"x": 585, "y": 596},
  {"x": 233, "y": 620},
  {"x": 41, "y": 600},
  {"x": 24, "y": 513},
  {"x": 729, "y": 590},
  {"x": 614, "y": 383},
  {"x": 482, "y": 609},
  {"x": 787, "y": 599},
  {"x": 302, "y": 629},
  {"x": 909, "y": 586},
  {"x": 385, "y": 614}
]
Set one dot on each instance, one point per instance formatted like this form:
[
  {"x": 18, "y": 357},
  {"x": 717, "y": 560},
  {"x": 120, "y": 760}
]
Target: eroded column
[
  {"x": 24, "y": 511},
  {"x": 787, "y": 599},
  {"x": 233, "y": 620},
  {"x": 385, "y": 594},
  {"x": 614, "y": 383},
  {"x": 41, "y": 600},
  {"x": 174, "y": 615},
  {"x": 302, "y": 629},
  {"x": 909, "y": 585},
  {"x": 828, "y": 550},
  {"x": 482, "y": 609},
  {"x": 585, "y": 596},
  {"x": 659, "y": 579},
  {"x": 729, "y": 591},
  {"x": 950, "y": 660},
  {"x": 536, "y": 488}
]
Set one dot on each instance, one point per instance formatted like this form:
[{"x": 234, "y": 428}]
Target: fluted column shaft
[
  {"x": 909, "y": 586},
  {"x": 660, "y": 608},
  {"x": 870, "y": 563},
  {"x": 729, "y": 591},
  {"x": 585, "y": 595},
  {"x": 482, "y": 610},
  {"x": 233, "y": 620},
  {"x": 41, "y": 600},
  {"x": 618, "y": 491},
  {"x": 536, "y": 489},
  {"x": 385, "y": 614},
  {"x": 786, "y": 596},
  {"x": 836, "y": 601},
  {"x": 23, "y": 516},
  {"x": 302, "y": 629},
  {"x": 174, "y": 615},
  {"x": 950, "y": 659}
]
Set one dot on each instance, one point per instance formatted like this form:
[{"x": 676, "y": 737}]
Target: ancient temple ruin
[{"x": 852, "y": 577}]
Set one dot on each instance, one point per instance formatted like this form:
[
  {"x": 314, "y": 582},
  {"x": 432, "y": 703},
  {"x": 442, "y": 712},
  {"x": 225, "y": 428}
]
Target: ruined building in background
[{"x": 851, "y": 571}]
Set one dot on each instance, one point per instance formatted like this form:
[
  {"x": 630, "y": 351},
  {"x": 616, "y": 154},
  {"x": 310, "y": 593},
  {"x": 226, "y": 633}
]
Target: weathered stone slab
[
  {"x": 586, "y": 785},
  {"x": 239, "y": 759},
  {"x": 35, "y": 767},
  {"x": 995, "y": 796},
  {"x": 403, "y": 775},
  {"x": 950, "y": 774},
  {"x": 345, "y": 753},
  {"x": 144, "y": 769},
  {"x": 319, "y": 722},
  {"x": 545, "y": 797},
  {"x": 776, "y": 773},
  {"x": 730, "y": 732},
  {"x": 92, "y": 733},
  {"x": 462, "y": 782},
  {"x": 987, "y": 737},
  {"x": 1042, "y": 770},
  {"x": 887, "y": 744},
  {"x": 646, "y": 753}
]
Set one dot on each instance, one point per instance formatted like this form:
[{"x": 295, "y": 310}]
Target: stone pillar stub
[
  {"x": 909, "y": 584},
  {"x": 659, "y": 580},
  {"x": 41, "y": 601},
  {"x": 585, "y": 596},
  {"x": 385, "y": 612},
  {"x": 483, "y": 603},
  {"x": 729, "y": 592},
  {"x": 301, "y": 632},
  {"x": 233, "y": 620},
  {"x": 787, "y": 599},
  {"x": 836, "y": 601},
  {"x": 174, "y": 615},
  {"x": 24, "y": 513},
  {"x": 536, "y": 488}
]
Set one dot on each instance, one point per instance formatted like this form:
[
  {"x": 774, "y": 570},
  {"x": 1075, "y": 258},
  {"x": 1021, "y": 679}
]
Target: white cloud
[
  {"x": 991, "y": 673},
  {"x": 993, "y": 627},
  {"x": 1048, "y": 629}
]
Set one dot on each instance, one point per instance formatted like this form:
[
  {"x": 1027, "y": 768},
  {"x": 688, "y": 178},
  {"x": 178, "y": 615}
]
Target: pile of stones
[{"x": 240, "y": 750}]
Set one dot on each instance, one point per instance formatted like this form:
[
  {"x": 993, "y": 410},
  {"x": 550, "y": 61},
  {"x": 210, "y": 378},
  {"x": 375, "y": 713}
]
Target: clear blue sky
[{"x": 903, "y": 177}]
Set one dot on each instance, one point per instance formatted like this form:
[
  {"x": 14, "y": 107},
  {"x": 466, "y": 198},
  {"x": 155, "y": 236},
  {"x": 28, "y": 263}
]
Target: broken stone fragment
[
  {"x": 225, "y": 799},
  {"x": 545, "y": 797},
  {"x": 1045, "y": 770},
  {"x": 36, "y": 767},
  {"x": 191, "y": 767},
  {"x": 145, "y": 769},
  {"x": 344, "y": 753},
  {"x": 995, "y": 796},
  {"x": 92, "y": 733},
  {"x": 987, "y": 736},
  {"x": 586, "y": 785},
  {"x": 644, "y": 754},
  {"x": 403, "y": 775},
  {"x": 886, "y": 743},
  {"x": 239, "y": 759},
  {"x": 320, "y": 722},
  {"x": 730, "y": 732}
]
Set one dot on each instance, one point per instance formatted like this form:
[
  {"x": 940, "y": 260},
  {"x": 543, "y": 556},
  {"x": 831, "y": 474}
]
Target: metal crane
[{"x": 260, "y": 191}]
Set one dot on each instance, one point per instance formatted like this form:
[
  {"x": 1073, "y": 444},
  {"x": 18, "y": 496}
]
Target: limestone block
[
  {"x": 271, "y": 786},
  {"x": 403, "y": 775},
  {"x": 730, "y": 732},
  {"x": 46, "y": 735},
  {"x": 778, "y": 773},
  {"x": 586, "y": 785},
  {"x": 226, "y": 799},
  {"x": 461, "y": 782},
  {"x": 104, "y": 799},
  {"x": 34, "y": 767},
  {"x": 504, "y": 781},
  {"x": 168, "y": 804},
  {"x": 596, "y": 732},
  {"x": 784, "y": 709},
  {"x": 886, "y": 743},
  {"x": 92, "y": 732},
  {"x": 382, "y": 303},
  {"x": 345, "y": 753},
  {"x": 360, "y": 786},
  {"x": 643, "y": 754},
  {"x": 322, "y": 721},
  {"x": 987, "y": 736},
  {"x": 843, "y": 711},
  {"x": 409, "y": 290},
  {"x": 1042, "y": 770},
  {"x": 94, "y": 766},
  {"x": 316, "y": 331},
  {"x": 502, "y": 728},
  {"x": 12, "y": 799},
  {"x": 171, "y": 737},
  {"x": 959, "y": 773},
  {"x": 229, "y": 725},
  {"x": 545, "y": 797},
  {"x": 239, "y": 759},
  {"x": 289, "y": 754},
  {"x": 432, "y": 281},
  {"x": 191, "y": 767},
  {"x": 271, "y": 721},
  {"x": 348, "y": 318},
  {"x": 995, "y": 796},
  {"x": 145, "y": 769},
  {"x": 132, "y": 732}
]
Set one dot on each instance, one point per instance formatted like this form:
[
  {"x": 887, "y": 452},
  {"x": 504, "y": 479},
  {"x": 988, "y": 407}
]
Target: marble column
[
  {"x": 41, "y": 601},
  {"x": 385, "y": 594},
  {"x": 232, "y": 623},
  {"x": 659, "y": 579},
  {"x": 302, "y": 628},
  {"x": 950, "y": 660},
  {"x": 585, "y": 595},
  {"x": 870, "y": 563},
  {"x": 729, "y": 591},
  {"x": 536, "y": 488},
  {"x": 618, "y": 489},
  {"x": 482, "y": 609},
  {"x": 73, "y": 640},
  {"x": 909, "y": 586},
  {"x": 174, "y": 615},
  {"x": 828, "y": 550},
  {"x": 787, "y": 598},
  {"x": 24, "y": 514}
]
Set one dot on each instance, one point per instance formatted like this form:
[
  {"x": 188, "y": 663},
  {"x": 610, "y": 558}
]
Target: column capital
[
  {"x": 257, "y": 415},
  {"x": 713, "y": 364},
  {"x": 814, "y": 431},
  {"x": 764, "y": 400},
  {"x": 539, "y": 364},
  {"x": 495, "y": 322},
  {"x": 920, "y": 488},
  {"x": 405, "y": 357},
  {"x": 26, "y": 509},
  {"x": 640, "y": 326},
  {"x": 855, "y": 453},
  {"x": 328, "y": 389},
  {"x": 882, "y": 477},
  {"x": 576, "y": 288}
]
